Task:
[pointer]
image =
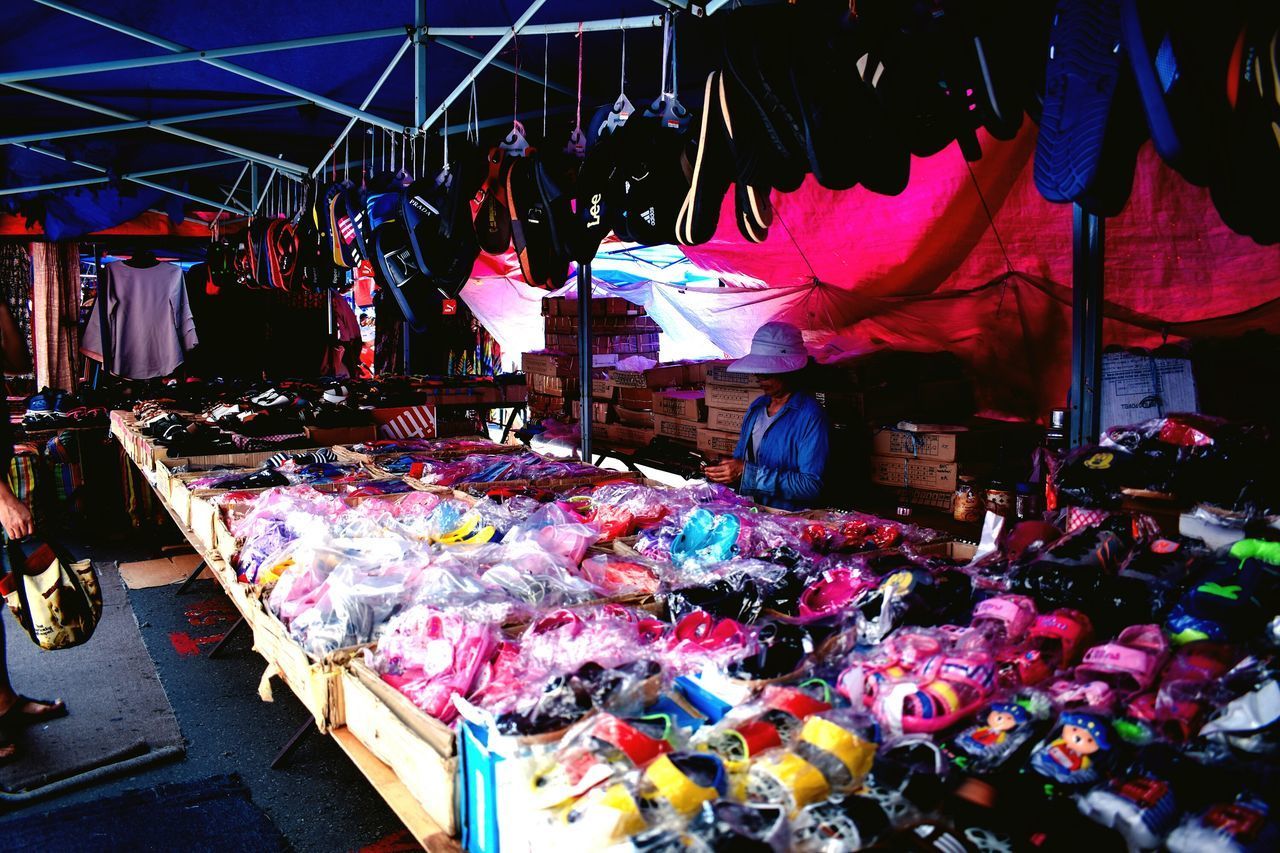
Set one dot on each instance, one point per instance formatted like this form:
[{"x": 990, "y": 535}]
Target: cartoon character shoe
[
  {"x": 1076, "y": 753},
  {"x": 1001, "y": 731}
]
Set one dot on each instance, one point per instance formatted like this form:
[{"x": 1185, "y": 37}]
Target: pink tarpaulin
[{"x": 926, "y": 270}]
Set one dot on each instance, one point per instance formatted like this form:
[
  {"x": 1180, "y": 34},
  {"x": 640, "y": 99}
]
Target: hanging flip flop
[
  {"x": 707, "y": 162},
  {"x": 1087, "y": 148}
]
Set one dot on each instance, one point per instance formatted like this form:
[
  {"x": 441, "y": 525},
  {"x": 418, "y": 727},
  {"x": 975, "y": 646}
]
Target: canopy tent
[
  {"x": 969, "y": 258},
  {"x": 100, "y": 92}
]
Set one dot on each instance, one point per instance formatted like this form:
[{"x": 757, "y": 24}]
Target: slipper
[
  {"x": 18, "y": 716},
  {"x": 408, "y": 286},
  {"x": 950, "y": 688},
  {"x": 421, "y": 205},
  {"x": 771, "y": 115},
  {"x": 332, "y": 197},
  {"x": 594, "y": 205},
  {"x": 1129, "y": 664},
  {"x": 531, "y": 227},
  {"x": 554, "y": 173},
  {"x": 1087, "y": 149},
  {"x": 493, "y": 220},
  {"x": 357, "y": 199},
  {"x": 707, "y": 170}
]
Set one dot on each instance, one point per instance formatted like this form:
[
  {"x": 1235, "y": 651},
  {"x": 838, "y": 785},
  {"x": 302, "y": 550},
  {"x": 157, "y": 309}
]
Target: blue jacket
[{"x": 787, "y": 472}]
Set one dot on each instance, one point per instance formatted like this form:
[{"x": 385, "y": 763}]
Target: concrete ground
[{"x": 318, "y": 799}]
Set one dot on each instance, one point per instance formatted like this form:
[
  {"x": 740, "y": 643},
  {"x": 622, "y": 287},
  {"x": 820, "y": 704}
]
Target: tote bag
[{"x": 58, "y": 602}]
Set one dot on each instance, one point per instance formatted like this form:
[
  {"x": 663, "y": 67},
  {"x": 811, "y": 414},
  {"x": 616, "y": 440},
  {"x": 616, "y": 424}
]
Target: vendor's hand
[
  {"x": 15, "y": 517},
  {"x": 727, "y": 472}
]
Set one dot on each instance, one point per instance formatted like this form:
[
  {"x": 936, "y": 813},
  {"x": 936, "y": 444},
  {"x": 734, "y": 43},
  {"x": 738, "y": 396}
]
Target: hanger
[
  {"x": 143, "y": 259},
  {"x": 622, "y": 106},
  {"x": 667, "y": 106}
]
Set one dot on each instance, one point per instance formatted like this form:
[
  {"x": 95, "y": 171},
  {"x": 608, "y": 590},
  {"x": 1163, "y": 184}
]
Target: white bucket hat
[{"x": 775, "y": 348}]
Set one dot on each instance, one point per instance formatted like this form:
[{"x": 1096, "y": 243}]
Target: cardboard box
[
  {"x": 599, "y": 411},
  {"x": 634, "y": 417},
  {"x": 715, "y": 443},
  {"x": 725, "y": 420},
  {"x": 613, "y": 306},
  {"x": 601, "y": 389},
  {"x": 632, "y": 398},
  {"x": 733, "y": 397},
  {"x": 717, "y": 374},
  {"x": 659, "y": 376},
  {"x": 326, "y": 436},
  {"x": 556, "y": 386},
  {"x": 405, "y": 422},
  {"x": 622, "y": 435},
  {"x": 927, "y": 498},
  {"x": 548, "y": 363},
  {"x": 939, "y": 446},
  {"x": 1136, "y": 388},
  {"x": 901, "y": 471},
  {"x": 681, "y": 403},
  {"x": 674, "y": 428}
]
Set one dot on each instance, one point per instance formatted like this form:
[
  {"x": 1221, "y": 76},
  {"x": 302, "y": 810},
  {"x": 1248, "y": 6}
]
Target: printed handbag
[{"x": 58, "y": 602}]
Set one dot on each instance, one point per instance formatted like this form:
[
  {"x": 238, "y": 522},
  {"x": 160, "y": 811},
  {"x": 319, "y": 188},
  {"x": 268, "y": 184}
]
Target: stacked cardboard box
[
  {"x": 728, "y": 396},
  {"x": 921, "y": 464},
  {"x": 618, "y": 330}
]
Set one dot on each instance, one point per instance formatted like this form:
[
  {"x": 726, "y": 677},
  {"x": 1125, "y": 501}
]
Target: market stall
[{"x": 532, "y": 563}]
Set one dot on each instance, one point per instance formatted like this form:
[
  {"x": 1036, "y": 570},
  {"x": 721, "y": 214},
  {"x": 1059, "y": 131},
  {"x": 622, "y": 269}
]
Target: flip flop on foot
[{"x": 26, "y": 711}]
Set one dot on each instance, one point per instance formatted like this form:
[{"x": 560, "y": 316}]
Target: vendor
[{"x": 782, "y": 452}]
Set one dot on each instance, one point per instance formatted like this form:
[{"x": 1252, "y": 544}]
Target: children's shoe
[
  {"x": 1140, "y": 807},
  {"x": 838, "y": 823},
  {"x": 1076, "y": 753},
  {"x": 1243, "y": 826}
]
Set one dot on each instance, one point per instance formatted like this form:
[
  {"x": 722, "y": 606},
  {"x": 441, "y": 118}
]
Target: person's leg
[{"x": 16, "y": 708}]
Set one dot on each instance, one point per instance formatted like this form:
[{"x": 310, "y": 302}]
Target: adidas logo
[{"x": 649, "y": 216}]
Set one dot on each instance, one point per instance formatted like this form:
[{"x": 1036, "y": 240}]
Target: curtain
[
  {"x": 56, "y": 295},
  {"x": 15, "y": 286}
]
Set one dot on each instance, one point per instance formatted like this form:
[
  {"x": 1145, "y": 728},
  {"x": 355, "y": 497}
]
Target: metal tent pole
[
  {"x": 46, "y": 136},
  {"x": 419, "y": 115},
  {"x": 136, "y": 180},
  {"x": 173, "y": 47},
  {"x": 196, "y": 55},
  {"x": 1088, "y": 244},
  {"x": 507, "y": 35},
  {"x": 163, "y": 128},
  {"x": 148, "y": 173},
  {"x": 584, "y": 359}
]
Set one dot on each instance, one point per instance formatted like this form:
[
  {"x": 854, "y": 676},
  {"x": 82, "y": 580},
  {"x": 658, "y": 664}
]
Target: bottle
[
  {"x": 966, "y": 504},
  {"x": 1026, "y": 503},
  {"x": 999, "y": 499}
]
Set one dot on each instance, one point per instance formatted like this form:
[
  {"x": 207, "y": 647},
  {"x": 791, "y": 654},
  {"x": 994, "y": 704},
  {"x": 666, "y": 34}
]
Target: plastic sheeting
[{"x": 925, "y": 271}]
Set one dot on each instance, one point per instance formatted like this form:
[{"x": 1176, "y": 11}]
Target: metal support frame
[
  {"x": 163, "y": 128},
  {"x": 505, "y": 66},
  {"x": 584, "y": 358},
  {"x": 148, "y": 173},
  {"x": 137, "y": 180},
  {"x": 196, "y": 55},
  {"x": 46, "y": 136},
  {"x": 638, "y": 22},
  {"x": 195, "y": 573},
  {"x": 174, "y": 47},
  {"x": 368, "y": 99},
  {"x": 239, "y": 625},
  {"x": 292, "y": 744},
  {"x": 419, "y": 115},
  {"x": 506, "y": 36},
  {"x": 1088, "y": 245}
]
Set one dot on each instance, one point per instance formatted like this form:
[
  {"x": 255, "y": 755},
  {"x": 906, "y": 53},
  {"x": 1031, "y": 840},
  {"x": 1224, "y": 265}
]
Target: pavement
[{"x": 318, "y": 799}]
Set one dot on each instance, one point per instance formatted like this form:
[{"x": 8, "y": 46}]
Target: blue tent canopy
[{"x": 80, "y": 79}]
